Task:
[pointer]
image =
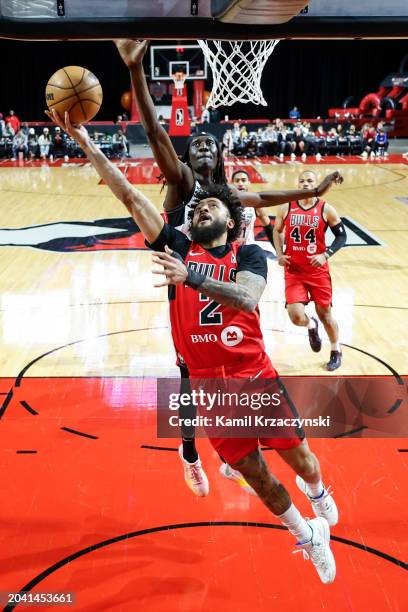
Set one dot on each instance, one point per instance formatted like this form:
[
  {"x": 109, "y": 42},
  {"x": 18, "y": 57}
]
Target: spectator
[
  {"x": 294, "y": 113},
  {"x": 342, "y": 140},
  {"x": 59, "y": 143},
  {"x": 2, "y": 126},
  {"x": 285, "y": 142},
  {"x": 161, "y": 120},
  {"x": 32, "y": 143},
  {"x": 120, "y": 144},
  {"x": 205, "y": 115},
  {"x": 236, "y": 131},
  {"x": 355, "y": 141},
  {"x": 44, "y": 142},
  {"x": 270, "y": 139},
  {"x": 14, "y": 121},
  {"x": 228, "y": 143},
  {"x": 369, "y": 133},
  {"x": 20, "y": 145},
  {"x": 252, "y": 147},
  {"x": 381, "y": 141},
  {"x": 214, "y": 115},
  {"x": 298, "y": 143},
  {"x": 8, "y": 130}
]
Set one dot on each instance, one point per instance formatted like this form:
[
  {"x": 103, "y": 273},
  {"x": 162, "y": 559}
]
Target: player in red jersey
[
  {"x": 307, "y": 275},
  {"x": 201, "y": 165},
  {"x": 216, "y": 285}
]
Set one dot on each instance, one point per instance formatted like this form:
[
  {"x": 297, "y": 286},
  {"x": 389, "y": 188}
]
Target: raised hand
[
  {"x": 132, "y": 51},
  {"x": 333, "y": 178},
  {"x": 173, "y": 267},
  {"x": 77, "y": 132}
]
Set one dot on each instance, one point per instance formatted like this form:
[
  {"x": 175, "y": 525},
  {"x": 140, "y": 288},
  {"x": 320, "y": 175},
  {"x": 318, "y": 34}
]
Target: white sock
[
  {"x": 311, "y": 324},
  {"x": 335, "y": 346},
  {"x": 315, "y": 488},
  {"x": 296, "y": 524}
]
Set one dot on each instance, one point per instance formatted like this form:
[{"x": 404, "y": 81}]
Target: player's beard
[{"x": 208, "y": 233}]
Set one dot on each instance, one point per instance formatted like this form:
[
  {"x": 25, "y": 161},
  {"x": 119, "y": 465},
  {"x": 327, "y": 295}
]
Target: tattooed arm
[{"x": 244, "y": 294}]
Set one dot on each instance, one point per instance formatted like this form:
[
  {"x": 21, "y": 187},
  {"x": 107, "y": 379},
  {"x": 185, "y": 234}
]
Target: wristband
[{"x": 194, "y": 279}]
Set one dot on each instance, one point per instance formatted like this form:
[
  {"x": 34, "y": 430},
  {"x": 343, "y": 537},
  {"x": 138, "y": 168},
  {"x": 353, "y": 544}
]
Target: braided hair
[{"x": 219, "y": 176}]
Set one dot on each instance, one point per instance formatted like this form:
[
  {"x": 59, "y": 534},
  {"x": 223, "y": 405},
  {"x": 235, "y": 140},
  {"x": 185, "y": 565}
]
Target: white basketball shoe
[
  {"x": 318, "y": 550},
  {"x": 194, "y": 475},
  {"x": 323, "y": 506},
  {"x": 227, "y": 471}
]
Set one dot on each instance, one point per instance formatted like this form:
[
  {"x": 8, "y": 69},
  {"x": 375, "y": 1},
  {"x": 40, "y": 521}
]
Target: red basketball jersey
[
  {"x": 304, "y": 235},
  {"x": 207, "y": 334}
]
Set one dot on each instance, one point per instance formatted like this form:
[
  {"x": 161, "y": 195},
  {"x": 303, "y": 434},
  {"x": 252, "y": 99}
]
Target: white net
[{"x": 236, "y": 67}]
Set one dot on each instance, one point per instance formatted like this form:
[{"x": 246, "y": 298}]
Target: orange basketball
[
  {"x": 126, "y": 100},
  {"x": 75, "y": 90}
]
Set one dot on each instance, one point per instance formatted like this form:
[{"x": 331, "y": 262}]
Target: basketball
[{"x": 75, "y": 90}]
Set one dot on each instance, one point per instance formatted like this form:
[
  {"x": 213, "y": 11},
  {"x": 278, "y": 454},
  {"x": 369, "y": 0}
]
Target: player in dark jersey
[
  {"x": 201, "y": 165},
  {"x": 307, "y": 276},
  {"x": 240, "y": 179},
  {"x": 218, "y": 283}
]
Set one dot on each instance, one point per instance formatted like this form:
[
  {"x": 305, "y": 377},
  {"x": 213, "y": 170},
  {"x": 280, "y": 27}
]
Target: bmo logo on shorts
[
  {"x": 231, "y": 335},
  {"x": 311, "y": 248},
  {"x": 203, "y": 338}
]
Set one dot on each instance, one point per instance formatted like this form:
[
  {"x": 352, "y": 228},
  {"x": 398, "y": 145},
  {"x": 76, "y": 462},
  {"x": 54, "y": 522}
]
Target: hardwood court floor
[
  {"x": 51, "y": 297},
  {"x": 92, "y": 501}
]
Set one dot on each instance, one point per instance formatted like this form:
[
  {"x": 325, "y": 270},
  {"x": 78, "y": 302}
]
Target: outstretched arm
[
  {"x": 278, "y": 239},
  {"x": 244, "y": 294},
  {"x": 174, "y": 171},
  {"x": 275, "y": 198},
  {"x": 142, "y": 210}
]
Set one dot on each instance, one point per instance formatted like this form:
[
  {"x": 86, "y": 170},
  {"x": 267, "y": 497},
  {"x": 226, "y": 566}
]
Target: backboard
[
  {"x": 165, "y": 60},
  {"x": 202, "y": 19}
]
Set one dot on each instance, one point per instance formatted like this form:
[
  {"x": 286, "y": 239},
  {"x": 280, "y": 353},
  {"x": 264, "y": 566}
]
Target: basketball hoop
[
  {"x": 236, "y": 66},
  {"x": 178, "y": 79}
]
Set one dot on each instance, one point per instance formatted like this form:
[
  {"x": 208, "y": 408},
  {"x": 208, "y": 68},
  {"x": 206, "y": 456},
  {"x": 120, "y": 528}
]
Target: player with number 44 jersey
[{"x": 301, "y": 226}]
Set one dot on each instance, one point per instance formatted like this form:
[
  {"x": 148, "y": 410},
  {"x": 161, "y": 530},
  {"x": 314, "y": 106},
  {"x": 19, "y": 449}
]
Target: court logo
[
  {"x": 122, "y": 234},
  {"x": 179, "y": 116},
  {"x": 231, "y": 335}
]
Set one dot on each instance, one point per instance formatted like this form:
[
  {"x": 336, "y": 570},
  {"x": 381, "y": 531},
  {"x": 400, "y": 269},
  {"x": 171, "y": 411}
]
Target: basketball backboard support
[
  {"x": 166, "y": 60},
  {"x": 202, "y": 19}
]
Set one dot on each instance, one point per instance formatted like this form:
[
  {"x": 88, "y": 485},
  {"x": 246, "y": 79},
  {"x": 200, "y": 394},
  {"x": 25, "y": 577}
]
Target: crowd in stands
[
  {"x": 302, "y": 139},
  {"x": 278, "y": 138},
  {"x": 19, "y": 140}
]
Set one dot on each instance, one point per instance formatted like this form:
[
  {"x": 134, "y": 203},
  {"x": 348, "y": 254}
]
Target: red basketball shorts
[
  {"x": 305, "y": 287},
  {"x": 234, "y": 449}
]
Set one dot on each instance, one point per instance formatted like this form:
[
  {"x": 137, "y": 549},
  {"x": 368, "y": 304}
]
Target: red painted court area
[{"x": 95, "y": 504}]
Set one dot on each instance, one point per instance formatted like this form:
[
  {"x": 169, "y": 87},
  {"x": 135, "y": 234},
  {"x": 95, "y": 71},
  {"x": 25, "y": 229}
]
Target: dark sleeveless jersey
[
  {"x": 179, "y": 217},
  {"x": 206, "y": 333},
  {"x": 304, "y": 236}
]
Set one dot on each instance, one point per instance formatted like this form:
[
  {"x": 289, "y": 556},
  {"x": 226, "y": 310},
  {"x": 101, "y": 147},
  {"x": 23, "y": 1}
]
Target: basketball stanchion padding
[{"x": 236, "y": 67}]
